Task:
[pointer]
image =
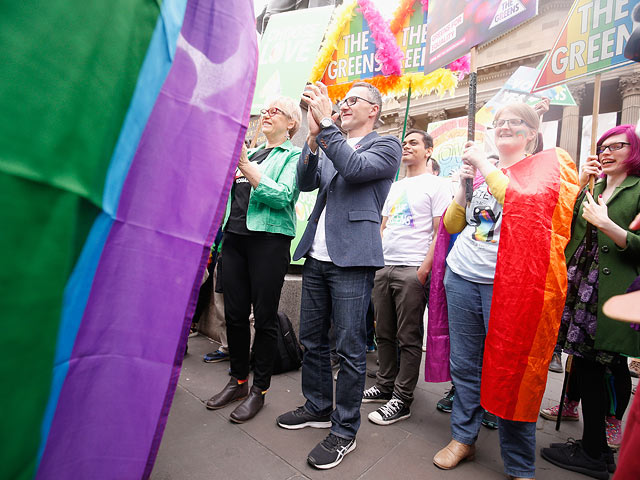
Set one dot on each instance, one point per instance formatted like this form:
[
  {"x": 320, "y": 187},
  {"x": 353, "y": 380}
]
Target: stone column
[
  {"x": 629, "y": 87},
  {"x": 436, "y": 116},
  {"x": 570, "y": 132}
]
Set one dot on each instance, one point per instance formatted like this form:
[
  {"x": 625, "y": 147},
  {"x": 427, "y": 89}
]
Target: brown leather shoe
[
  {"x": 249, "y": 408},
  {"x": 451, "y": 455},
  {"x": 230, "y": 393}
]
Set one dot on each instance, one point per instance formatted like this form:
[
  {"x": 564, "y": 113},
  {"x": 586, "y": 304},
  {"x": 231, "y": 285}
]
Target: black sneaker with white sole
[
  {"x": 375, "y": 395},
  {"x": 391, "y": 412},
  {"x": 300, "y": 418},
  {"x": 330, "y": 451}
]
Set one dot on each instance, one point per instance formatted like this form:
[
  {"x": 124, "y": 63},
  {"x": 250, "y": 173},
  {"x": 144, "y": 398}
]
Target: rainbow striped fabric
[
  {"x": 121, "y": 124},
  {"x": 530, "y": 284}
]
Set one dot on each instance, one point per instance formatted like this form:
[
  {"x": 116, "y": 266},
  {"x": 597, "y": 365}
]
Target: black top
[{"x": 240, "y": 191}]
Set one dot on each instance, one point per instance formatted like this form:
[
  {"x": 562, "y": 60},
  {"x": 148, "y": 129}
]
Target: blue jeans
[
  {"x": 469, "y": 305},
  {"x": 342, "y": 294}
]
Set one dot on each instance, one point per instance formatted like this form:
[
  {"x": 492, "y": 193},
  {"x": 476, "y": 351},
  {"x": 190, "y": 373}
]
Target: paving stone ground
[{"x": 202, "y": 444}]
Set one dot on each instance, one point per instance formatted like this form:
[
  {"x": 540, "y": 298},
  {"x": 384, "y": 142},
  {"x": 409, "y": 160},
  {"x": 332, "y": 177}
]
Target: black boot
[
  {"x": 230, "y": 393},
  {"x": 250, "y": 407}
]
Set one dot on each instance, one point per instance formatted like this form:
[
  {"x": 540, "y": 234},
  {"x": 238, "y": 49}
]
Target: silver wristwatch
[{"x": 326, "y": 122}]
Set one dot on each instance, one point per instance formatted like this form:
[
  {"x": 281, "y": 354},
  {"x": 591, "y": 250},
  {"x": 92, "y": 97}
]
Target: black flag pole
[
  {"x": 565, "y": 383},
  {"x": 471, "y": 121}
]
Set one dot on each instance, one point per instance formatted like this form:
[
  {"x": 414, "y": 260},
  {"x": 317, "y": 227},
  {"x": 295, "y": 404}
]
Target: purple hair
[{"x": 633, "y": 160}]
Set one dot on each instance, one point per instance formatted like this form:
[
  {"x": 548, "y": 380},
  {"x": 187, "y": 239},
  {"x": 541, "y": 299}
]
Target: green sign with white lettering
[{"x": 288, "y": 51}]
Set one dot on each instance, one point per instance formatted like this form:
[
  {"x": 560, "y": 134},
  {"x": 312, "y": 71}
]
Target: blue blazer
[{"x": 353, "y": 184}]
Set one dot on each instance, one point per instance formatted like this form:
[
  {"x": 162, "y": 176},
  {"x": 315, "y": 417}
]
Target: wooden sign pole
[{"x": 594, "y": 123}]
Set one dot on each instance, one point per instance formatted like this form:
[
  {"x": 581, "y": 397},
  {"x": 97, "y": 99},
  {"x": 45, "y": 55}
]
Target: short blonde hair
[
  {"x": 292, "y": 108},
  {"x": 530, "y": 117}
]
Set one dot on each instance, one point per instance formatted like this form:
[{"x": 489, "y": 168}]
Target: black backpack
[{"x": 289, "y": 353}]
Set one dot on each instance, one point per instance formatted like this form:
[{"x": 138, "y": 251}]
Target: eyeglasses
[
  {"x": 614, "y": 147},
  {"x": 351, "y": 101},
  {"x": 271, "y": 111},
  {"x": 512, "y": 122}
]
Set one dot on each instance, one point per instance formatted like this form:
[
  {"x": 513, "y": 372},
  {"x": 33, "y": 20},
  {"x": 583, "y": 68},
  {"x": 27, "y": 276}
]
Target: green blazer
[
  {"x": 272, "y": 205},
  {"x": 618, "y": 267}
]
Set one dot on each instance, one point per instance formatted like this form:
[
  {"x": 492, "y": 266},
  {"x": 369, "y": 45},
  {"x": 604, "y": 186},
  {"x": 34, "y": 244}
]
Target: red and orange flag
[{"x": 530, "y": 284}]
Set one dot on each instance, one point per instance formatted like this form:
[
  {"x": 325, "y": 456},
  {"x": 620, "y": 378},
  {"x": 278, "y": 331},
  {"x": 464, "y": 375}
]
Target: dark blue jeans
[{"x": 342, "y": 294}]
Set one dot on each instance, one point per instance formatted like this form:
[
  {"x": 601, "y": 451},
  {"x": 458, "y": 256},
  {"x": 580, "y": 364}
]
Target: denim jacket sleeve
[{"x": 279, "y": 193}]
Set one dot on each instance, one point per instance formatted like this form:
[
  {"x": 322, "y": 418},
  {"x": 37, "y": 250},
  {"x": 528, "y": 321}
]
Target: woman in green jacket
[
  {"x": 602, "y": 260},
  {"x": 258, "y": 229}
]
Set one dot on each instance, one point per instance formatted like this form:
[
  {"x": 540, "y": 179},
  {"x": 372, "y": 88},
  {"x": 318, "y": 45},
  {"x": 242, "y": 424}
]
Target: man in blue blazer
[{"x": 343, "y": 248}]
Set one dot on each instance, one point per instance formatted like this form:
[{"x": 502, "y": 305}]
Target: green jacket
[
  {"x": 618, "y": 267},
  {"x": 272, "y": 205}
]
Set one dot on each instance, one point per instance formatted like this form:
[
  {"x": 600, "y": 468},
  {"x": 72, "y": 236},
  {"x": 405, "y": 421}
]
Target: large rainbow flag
[
  {"x": 122, "y": 123},
  {"x": 530, "y": 284}
]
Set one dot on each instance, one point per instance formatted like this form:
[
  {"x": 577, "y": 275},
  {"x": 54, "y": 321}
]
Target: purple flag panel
[
  {"x": 126, "y": 360},
  {"x": 437, "y": 356}
]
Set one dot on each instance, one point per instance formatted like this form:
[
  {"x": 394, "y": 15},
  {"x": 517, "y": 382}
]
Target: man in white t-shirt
[{"x": 410, "y": 220}]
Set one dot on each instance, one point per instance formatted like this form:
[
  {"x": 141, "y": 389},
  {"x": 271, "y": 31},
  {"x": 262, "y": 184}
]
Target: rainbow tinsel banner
[{"x": 122, "y": 123}]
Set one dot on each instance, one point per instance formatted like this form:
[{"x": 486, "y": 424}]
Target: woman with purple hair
[{"x": 603, "y": 258}]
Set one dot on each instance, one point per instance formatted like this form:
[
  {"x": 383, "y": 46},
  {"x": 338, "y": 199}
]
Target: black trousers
[
  {"x": 253, "y": 270},
  {"x": 204, "y": 297},
  {"x": 592, "y": 384},
  {"x": 618, "y": 392}
]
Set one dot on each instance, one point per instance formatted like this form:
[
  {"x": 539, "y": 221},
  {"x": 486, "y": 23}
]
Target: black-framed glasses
[
  {"x": 613, "y": 147},
  {"x": 512, "y": 122},
  {"x": 272, "y": 111},
  {"x": 352, "y": 100}
]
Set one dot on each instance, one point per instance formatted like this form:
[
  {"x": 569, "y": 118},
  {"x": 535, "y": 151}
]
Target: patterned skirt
[{"x": 580, "y": 316}]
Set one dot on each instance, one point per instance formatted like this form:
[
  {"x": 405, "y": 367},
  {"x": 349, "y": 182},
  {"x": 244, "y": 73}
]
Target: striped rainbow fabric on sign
[
  {"x": 530, "y": 284},
  {"x": 591, "y": 41},
  {"x": 122, "y": 123}
]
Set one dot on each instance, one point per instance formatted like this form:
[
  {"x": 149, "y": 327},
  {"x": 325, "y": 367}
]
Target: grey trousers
[{"x": 399, "y": 301}]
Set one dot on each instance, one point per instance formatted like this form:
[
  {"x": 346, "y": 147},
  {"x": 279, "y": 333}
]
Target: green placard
[
  {"x": 304, "y": 207},
  {"x": 288, "y": 50}
]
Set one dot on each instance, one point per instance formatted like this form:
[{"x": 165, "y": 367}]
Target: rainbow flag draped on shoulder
[
  {"x": 530, "y": 284},
  {"x": 122, "y": 123},
  {"x": 529, "y": 289}
]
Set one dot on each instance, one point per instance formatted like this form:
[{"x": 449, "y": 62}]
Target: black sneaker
[
  {"x": 391, "y": 412},
  {"x": 215, "y": 357},
  {"x": 446, "y": 403},
  {"x": 571, "y": 456},
  {"x": 608, "y": 457},
  {"x": 489, "y": 420},
  {"x": 374, "y": 395},
  {"x": 300, "y": 418},
  {"x": 330, "y": 451}
]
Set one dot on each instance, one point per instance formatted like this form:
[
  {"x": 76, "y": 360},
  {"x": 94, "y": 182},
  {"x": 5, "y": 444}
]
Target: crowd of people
[{"x": 369, "y": 241}]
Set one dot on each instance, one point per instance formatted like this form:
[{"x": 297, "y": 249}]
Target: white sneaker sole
[
  {"x": 378, "y": 420},
  {"x": 554, "y": 418},
  {"x": 304, "y": 425}
]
